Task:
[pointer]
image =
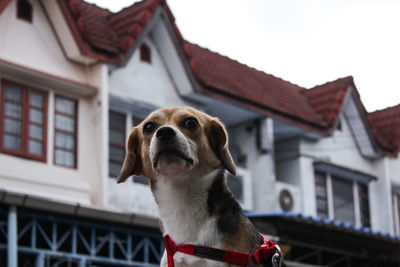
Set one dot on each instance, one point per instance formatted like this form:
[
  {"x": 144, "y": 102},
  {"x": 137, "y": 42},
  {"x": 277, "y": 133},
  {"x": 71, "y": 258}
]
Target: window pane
[
  {"x": 65, "y": 158},
  {"x": 35, "y": 147},
  {"x": 65, "y": 123},
  {"x": 117, "y": 137},
  {"x": 343, "y": 200},
  {"x": 12, "y": 126},
  {"x": 36, "y": 116},
  {"x": 117, "y": 153},
  {"x": 364, "y": 205},
  {"x": 13, "y": 110},
  {"x": 13, "y": 93},
  {"x": 12, "y": 142},
  {"x": 115, "y": 169},
  {"x": 65, "y": 140},
  {"x": 36, "y": 100},
  {"x": 36, "y": 131},
  {"x": 117, "y": 120},
  {"x": 65, "y": 105},
  {"x": 321, "y": 195}
]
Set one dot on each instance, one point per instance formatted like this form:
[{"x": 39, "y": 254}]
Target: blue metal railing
[{"x": 53, "y": 240}]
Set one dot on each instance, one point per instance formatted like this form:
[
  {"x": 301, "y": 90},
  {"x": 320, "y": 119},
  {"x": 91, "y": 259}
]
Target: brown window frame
[
  {"x": 26, "y": 94},
  {"x": 75, "y": 134}
]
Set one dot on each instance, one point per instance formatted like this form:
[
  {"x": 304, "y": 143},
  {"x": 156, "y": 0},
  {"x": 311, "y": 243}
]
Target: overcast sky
[{"x": 307, "y": 42}]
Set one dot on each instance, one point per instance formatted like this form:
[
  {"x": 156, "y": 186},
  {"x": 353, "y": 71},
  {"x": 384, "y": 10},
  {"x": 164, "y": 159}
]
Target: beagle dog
[{"x": 184, "y": 153}]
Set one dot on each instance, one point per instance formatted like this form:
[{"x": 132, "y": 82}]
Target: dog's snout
[{"x": 165, "y": 133}]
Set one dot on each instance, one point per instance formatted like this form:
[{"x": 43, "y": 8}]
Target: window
[
  {"x": 364, "y": 204},
  {"x": 145, "y": 53},
  {"x": 65, "y": 132},
  {"x": 118, "y": 125},
  {"x": 342, "y": 199},
  {"x": 24, "y": 10},
  {"x": 322, "y": 197},
  {"x": 23, "y": 121},
  {"x": 117, "y": 130}
]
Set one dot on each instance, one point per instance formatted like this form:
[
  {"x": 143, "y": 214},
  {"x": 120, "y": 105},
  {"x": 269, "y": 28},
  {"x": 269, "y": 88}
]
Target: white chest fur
[{"x": 184, "y": 210}]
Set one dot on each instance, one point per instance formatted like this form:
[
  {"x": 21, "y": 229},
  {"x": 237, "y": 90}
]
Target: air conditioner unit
[
  {"x": 288, "y": 197},
  {"x": 241, "y": 187}
]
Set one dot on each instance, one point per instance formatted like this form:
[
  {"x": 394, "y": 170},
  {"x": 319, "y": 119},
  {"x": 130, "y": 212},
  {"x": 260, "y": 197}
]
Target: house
[{"x": 316, "y": 171}]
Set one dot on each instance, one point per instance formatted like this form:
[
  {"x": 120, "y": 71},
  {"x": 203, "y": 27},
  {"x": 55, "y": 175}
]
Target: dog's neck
[{"x": 184, "y": 208}]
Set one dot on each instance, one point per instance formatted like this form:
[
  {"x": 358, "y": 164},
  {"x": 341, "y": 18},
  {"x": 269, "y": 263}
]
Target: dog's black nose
[{"x": 165, "y": 133}]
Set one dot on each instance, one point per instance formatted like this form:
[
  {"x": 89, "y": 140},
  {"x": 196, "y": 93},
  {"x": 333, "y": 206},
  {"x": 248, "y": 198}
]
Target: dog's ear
[
  {"x": 218, "y": 139},
  {"x": 133, "y": 160}
]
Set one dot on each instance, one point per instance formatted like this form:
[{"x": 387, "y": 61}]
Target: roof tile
[
  {"x": 386, "y": 125},
  {"x": 221, "y": 74}
]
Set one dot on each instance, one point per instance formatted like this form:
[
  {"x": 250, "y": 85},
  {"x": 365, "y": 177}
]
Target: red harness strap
[{"x": 265, "y": 251}]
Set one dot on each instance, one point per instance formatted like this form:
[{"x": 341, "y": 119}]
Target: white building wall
[
  {"x": 34, "y": 45},
  {"x": 260, "y": 165},
  {"x": 394, "y": 169},
  {"x": 381, "y": 199},
  {"x": 141, "y": 81},
  {"x": 148, "y": 83},
  {"x": 341, "y": 149}
]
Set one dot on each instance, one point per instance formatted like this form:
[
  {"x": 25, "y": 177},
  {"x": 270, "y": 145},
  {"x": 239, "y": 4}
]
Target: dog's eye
[
  {"x": 149, "y": 127},
  {"x": 191, "y": 124}
]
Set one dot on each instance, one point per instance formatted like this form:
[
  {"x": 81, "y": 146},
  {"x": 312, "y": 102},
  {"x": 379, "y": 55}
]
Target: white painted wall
[
  {"x": 381, "y": 199},
  {"x": 145, "y": 82},
  {"x": 340, "y": 149},
  {"x": 148, "y": 83},
  {"x": 35, "y": 45},
  {"x": 260, "y": 165},
  {"x": 394, "y": 169},
  {"x": 295, "y": 166}
]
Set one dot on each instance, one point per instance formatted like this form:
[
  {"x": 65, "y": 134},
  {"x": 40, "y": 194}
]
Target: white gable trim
[
  {"x": 172, "y": 54},
  {"x": 358, "y": 124},
  {"x": 64, "y": 34}
]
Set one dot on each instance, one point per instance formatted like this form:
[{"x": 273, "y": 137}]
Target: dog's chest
[{"x": 185, "y": 215}]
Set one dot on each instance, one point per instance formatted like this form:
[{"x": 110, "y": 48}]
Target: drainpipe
[{"x": 12, "y": 248}]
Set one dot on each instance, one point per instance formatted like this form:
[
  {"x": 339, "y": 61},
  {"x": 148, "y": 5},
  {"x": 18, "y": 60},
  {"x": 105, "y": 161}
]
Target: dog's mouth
[{"x": 171, "y": 155}]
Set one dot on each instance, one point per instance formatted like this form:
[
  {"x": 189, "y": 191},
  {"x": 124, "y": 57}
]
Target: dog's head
[{"x": 177, "y": 142}]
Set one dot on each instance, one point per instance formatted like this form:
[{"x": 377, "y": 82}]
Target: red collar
[{"x": 268, "y": 250}]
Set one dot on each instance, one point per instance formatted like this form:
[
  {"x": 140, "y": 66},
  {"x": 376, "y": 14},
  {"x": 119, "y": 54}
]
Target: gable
[
  {"x": 34, "y": 46},
  {"x": 355, "y": 116},
  {"x": 146, "y": 82}
]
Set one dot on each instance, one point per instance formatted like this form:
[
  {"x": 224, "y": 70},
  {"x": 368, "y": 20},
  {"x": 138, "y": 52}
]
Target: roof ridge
[
  {"x": 384, "y": 109},
  {"x": 96, "y": 6},
  {"x": 245, "y": 65},
  {"x": 349, "y": 77}
]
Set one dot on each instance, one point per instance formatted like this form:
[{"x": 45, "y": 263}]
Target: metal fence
[{"x": 29, "y": 238}]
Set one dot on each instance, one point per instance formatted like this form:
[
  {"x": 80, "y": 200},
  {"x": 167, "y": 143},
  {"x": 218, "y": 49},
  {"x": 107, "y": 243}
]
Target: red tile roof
[
  {"x": 266, "y": 93},
  {"x": 105, "y": 35},
  {"x": 327, "y": 99},
  {"x": 386, "y": 127}
]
